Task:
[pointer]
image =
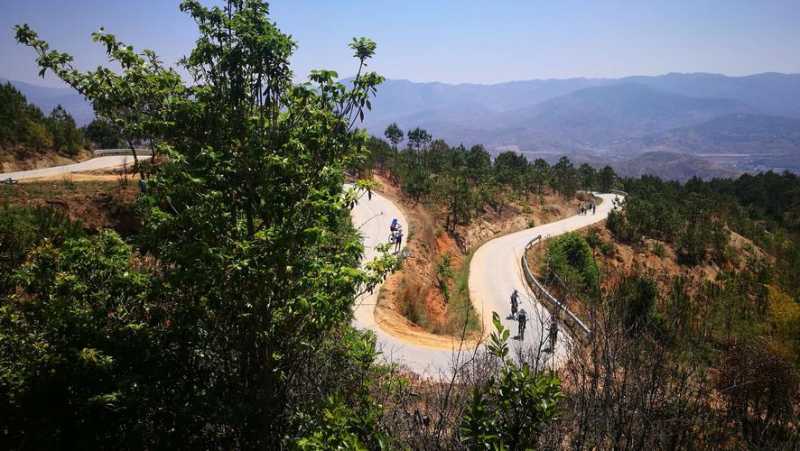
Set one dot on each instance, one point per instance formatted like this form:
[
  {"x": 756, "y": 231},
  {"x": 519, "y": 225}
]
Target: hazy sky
[{"x": 453, "y": 41}]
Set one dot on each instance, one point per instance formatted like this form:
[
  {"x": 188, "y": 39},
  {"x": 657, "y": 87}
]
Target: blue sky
[{"x": 452, "y": 41}]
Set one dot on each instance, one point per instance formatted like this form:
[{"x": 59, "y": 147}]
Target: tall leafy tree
[
  {"x": 67, "y": 139},
  {"x": 14, "y": 111},
  {"x": 394, "y": 134},
  {"x": 588, "y": 176},
  {"x": 25, "y": 129},
  {"x": 257, "y": 264},
  {"x": 565, "y": 177},
  {"x": 103, "y": 134},
  {"x": 135, "y": 101},
  {"x": 479, "y": 163},
  {"x": 419, "y": 138},
  {"x": 606, "y": 179},
  {"x": 538, "y": 176},
  {"x": 509, "y": 168}
]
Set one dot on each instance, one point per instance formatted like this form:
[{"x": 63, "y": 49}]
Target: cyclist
[
  {"x": 514, "y": 304},
  {"x": 522, "y": 319}
]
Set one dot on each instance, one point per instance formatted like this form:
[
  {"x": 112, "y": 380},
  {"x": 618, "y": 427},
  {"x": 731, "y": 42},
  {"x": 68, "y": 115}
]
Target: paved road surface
[
  {"x": 84, "y": 166},
  {"x": 495, "y": 271},
  {"x": 372, "y": 218}
]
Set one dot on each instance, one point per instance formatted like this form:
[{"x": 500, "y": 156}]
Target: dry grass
[{"x": 95, "y": 201}]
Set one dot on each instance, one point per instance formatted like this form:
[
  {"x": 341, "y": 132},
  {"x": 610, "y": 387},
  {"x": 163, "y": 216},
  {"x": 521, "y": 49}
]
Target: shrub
[
  {"x": 78, "y": 346},
  {"x": 569, "y": 259},
  {"x": 607, "y": 248},
  {"x": 593, "y": 239},
  {"x": 23, "y": 228},
  {"x": 635, "y": 298},
  {"x": 513, "y": 407}
]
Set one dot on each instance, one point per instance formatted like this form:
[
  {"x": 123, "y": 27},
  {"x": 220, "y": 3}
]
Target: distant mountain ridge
[
  {"x": 771, "y": 93},
  {"x": 612, "y": 119},
  {"x": 596, "y": 117},
  {"x": 673, "y": 166},
  {"x": 732, "y": 133}
]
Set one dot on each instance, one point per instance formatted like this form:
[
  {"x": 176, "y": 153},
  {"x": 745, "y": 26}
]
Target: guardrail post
[{"x": 540, "y": 292}]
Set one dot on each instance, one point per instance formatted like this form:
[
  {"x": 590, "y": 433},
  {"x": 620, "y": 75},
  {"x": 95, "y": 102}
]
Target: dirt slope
[{"x": 413, "y": 300}]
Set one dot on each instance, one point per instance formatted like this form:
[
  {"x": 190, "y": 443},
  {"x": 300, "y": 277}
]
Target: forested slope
[{"x": 25, "y": 131}]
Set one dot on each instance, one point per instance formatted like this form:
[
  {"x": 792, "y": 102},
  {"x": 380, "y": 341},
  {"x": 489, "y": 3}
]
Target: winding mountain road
[{"x": 495, "y": 271}]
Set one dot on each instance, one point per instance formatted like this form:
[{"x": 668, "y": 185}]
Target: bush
[
  {"x": 513, "y": 408},
  {"x": 78, "y": 347},
  {"x": 607, "y": 248},
  {"x": 593, "y": 238},
  {"x": 569, "y": 259},
  {"x": 23, "y": 228},
  {"x": 635, "y": 300}
]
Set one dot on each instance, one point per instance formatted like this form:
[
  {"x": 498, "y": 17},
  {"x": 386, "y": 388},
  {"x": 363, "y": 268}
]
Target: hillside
[
  {"x": 691, "y": 301},
  {"x": 672, "y": 166},
  {"x": 740, "y": 140},
  {"x": 770, "y": 93},
  {"x": 29, "y": 138},
  {"x": 594, "y": 118},
  {"x": 414, "y": 302}
]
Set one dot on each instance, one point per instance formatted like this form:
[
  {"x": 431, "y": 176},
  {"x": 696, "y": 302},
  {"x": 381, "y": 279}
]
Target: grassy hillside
[{"x": 695, "y": 318}]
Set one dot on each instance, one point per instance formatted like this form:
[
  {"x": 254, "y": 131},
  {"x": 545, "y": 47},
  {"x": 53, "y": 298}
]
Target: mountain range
[
  {"x": 715, "y": 123},
  {"x": 726, "y": 124}
]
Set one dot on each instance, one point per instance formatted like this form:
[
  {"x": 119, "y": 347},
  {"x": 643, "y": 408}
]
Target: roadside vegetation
[
  {"x": 25, "y": 130},
  {"x": 697, "y": 298}
]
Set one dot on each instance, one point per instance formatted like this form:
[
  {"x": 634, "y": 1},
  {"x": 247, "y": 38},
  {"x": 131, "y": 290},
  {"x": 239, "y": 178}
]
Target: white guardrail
[
  {"x": 540, "y": 292},
  {"x": 108, "y": 152}
]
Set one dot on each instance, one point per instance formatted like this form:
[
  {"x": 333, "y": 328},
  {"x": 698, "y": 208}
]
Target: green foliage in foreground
[
  {"x": 228, "y": 321},
  {"x": 79, "y": 357},
  {"x": 510, "y": 410},
  {"x": 22, "y": 229}
]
